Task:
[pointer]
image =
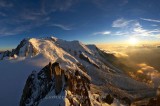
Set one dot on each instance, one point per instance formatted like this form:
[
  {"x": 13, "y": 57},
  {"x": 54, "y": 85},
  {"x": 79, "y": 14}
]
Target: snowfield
[{"x": 13, "y": 74}]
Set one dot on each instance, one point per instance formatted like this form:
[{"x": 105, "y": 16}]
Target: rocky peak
[
  {"x": 25, "y": 48},
  {"x": 22, "y": 43},
  {"x": 53, "y": 38},
  {"x": 54, "y": 79},
  {"x": 58, "y": 73}
]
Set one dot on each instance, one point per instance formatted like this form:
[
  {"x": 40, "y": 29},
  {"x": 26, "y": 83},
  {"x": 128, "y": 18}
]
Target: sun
[{"x": 133, "y": 41}]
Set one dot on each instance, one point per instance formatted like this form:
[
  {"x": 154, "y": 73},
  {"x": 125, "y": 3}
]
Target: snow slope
[{"x": 13, "y": 74}]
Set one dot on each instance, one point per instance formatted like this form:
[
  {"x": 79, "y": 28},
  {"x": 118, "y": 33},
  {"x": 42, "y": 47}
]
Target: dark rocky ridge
[
  {"x": 53, "y": 79},
  {"x": 83, "y": 57}
]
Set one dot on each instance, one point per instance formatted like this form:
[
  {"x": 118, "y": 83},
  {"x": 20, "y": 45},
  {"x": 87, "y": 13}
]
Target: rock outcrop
[
  {"x": 54, "y": 79},
  {"x": 58, "y": 74},
  {"x": 85, "y": 58},
  {"x": 109, "y": 99},
  {"x": 154, "y": 101}
]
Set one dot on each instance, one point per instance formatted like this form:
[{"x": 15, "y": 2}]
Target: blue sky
[{"x": 90, "y": 21}]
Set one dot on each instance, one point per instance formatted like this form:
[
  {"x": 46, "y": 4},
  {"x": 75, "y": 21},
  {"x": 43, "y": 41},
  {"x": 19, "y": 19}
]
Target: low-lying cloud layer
[
  {"x": 150, "y": 72},
  {"x": 120, "y": 54}
]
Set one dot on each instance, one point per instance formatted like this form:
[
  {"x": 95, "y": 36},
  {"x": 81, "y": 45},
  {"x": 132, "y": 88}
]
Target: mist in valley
[{"x": 142, "y": 63}]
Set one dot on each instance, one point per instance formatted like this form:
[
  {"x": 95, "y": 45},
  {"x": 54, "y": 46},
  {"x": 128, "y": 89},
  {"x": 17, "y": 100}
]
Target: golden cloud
[
  {"x": 149, "y": 72},
  {"x": 120, "y": 54},
  {"x": 147, "y": 69}
]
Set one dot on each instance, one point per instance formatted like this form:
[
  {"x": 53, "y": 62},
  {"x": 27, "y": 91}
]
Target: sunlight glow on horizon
[{"x": 133, "y": 41}]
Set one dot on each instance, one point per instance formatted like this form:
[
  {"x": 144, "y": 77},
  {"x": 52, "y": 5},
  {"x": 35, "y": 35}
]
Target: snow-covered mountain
[{"x": 68, "y": 69}]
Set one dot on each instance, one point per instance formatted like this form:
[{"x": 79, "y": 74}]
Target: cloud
[
  {"x": 109, "y": 4},
  {"x": 64, "y": 27},
  {"x": 65, "y": 5},
  {"x": 102, "y": 33},
  {"x": 17, "y": 25},
  {"x": 146, "y": 69},
  {"x": 150, "y": 20},
  {"x": 8, "y": 31},
  {"x": 25, "y": 20},
  {"x": 12, "y": 31},
  {"x": 150, "y": 72},
  {"x": 140, "y": 31},
  {"x": 124, "y": 2},
  {"x": 133, "y": 28},
  {"x": 121, "y": 22},
  {"x": 120, "y": 55},
  {"x": 154, "y": 25},
  {"x": 2, "y": 14},
  {"x": 5, "y": 4},
  {"x": 31, "y": 17},
  {"x": 28, "y": 16},
  {"x": 57, "y": 5},
  {"x": 34, "y": 16}
]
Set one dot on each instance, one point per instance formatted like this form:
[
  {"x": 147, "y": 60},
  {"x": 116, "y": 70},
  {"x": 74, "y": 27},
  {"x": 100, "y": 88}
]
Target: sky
[{"x": 90, "y": 21}]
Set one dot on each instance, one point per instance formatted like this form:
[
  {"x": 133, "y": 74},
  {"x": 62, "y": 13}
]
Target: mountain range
[{"x": 55, "y": 72}]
